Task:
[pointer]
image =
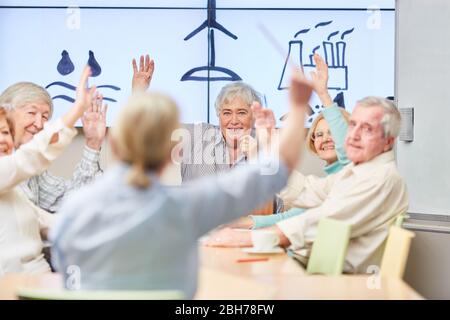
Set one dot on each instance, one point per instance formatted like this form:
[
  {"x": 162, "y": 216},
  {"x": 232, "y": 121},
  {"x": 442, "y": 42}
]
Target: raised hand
[
  {"x": 264, "y": 124},
  {"x": 320, "y": 80},
  {"x": 248, "y": 146},
  {"x": 142, "y": 76},
  {"x": 84, "y": 96},
  {"x": 94, "y": 122}
]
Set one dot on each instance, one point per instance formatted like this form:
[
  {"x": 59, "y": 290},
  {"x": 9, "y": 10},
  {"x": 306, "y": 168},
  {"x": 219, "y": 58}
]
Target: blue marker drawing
[
  {"x": 196, "y": 74},
  {"x": 322, "y": 24},
  {"x": 295, "y": 53},
  {"x": 62, "y": 84},
  {"x": 334, "y": 49},
  {"x": 301, "y": 32},
  {"x": 95, "y": 67},
  {"x": 65, "y": 66},
  {"x": 339, "y": 100},
  {"x": 333, "y": 52}
]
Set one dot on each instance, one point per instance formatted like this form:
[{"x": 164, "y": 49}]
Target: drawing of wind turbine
[{"x": 223, "y": 74}]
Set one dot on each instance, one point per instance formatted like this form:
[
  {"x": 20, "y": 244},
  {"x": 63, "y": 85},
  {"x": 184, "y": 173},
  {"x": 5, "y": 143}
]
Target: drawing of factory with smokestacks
[{"x": 332, "y": 49}]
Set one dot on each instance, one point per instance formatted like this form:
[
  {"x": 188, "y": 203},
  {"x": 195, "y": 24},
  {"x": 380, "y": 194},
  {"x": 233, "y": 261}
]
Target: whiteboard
[
  {"x": 423, "y": 75},
  {"x": 117, "y": 31}
]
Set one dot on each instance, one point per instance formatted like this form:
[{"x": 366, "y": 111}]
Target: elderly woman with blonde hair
[{"x": 128, "y": 231}]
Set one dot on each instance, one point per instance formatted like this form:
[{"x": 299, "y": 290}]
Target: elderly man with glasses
[{"x": 368, "y": 194}]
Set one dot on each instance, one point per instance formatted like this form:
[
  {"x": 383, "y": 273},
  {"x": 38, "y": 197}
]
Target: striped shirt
[
  {"x": 47, "y": 191},
  {"x": 205, "y": 152}
]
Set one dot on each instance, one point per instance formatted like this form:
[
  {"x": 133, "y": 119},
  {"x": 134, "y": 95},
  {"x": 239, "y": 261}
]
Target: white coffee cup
[{"x": 264, "y": 240}]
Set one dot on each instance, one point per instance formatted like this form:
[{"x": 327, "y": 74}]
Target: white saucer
[{"x": 254, "y": 250}]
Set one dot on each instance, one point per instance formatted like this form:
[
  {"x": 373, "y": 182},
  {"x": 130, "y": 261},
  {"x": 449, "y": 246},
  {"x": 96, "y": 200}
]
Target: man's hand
[
  {"x": 94, "y": 123},
  {"x": 142, "y": 76}
]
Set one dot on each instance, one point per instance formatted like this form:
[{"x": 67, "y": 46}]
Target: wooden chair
[{"x": 396, "y": 251}]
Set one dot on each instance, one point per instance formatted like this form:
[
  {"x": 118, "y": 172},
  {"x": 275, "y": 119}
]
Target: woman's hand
[
  {"x": 142, "y": 76},
  {"x": 84, "y": 96},
  {"x": 320, "y": 81}
]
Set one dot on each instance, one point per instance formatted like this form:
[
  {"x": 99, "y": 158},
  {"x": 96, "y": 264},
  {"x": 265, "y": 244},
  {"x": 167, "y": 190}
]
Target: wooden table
[{"x": 280, "y": 277}]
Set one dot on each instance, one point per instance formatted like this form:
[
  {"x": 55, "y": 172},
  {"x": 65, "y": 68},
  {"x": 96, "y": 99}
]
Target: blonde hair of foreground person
[{"x": 142, "y": 135}]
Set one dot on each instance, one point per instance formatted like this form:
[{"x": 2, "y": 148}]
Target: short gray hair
[
  {"x": 391, "y": 120},
  {"x": 21, "y": 93},
  {"x": 233, "y": 90}
]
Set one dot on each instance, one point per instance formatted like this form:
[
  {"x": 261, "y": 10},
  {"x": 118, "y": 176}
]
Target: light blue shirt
[
  {"x": 338, "y": 128},
  {"x": 121, "y": 237}
]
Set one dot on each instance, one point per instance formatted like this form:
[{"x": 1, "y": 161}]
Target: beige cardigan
[
  {"x": 20, "y": 220},
  {"x": 367, "y": 196}
]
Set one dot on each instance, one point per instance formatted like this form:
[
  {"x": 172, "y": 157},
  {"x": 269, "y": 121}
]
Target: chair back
[
  {"x": 329, "y": 248},
  {"x": 396, "y": 252},
  {"x": 40, "y": 294}
]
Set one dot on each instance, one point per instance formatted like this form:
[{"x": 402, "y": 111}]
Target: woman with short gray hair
[
  {"x": 225, "y": 140},
  {"x": 235, "y": 125}
]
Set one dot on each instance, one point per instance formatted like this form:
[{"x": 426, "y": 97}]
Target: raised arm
[
  {"x": 34, "y": 157},
  {"x": 142, "y": 76},
  {"x": 319, "y": 80},
  {"x": 332, "y": 112}
]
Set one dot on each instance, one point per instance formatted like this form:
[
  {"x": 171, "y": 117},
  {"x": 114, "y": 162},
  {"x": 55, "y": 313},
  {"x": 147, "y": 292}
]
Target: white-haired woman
[
  {"x": 22, "y": 224},
  {"x": 233, "y": 109},
  {"x": 30, "y": 107},
  {"x": 208, "y": 149},
  {"x": 127, "y": 231}
]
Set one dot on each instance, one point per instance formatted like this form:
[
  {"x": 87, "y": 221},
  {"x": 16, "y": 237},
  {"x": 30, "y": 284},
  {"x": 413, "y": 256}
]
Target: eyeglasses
[{"x": 319, "y": 135}]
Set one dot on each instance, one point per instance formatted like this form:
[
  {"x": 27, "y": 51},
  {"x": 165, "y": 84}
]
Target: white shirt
[
  {"x": 367, "y": 196},
  {"x": 20, "y": 220}
]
